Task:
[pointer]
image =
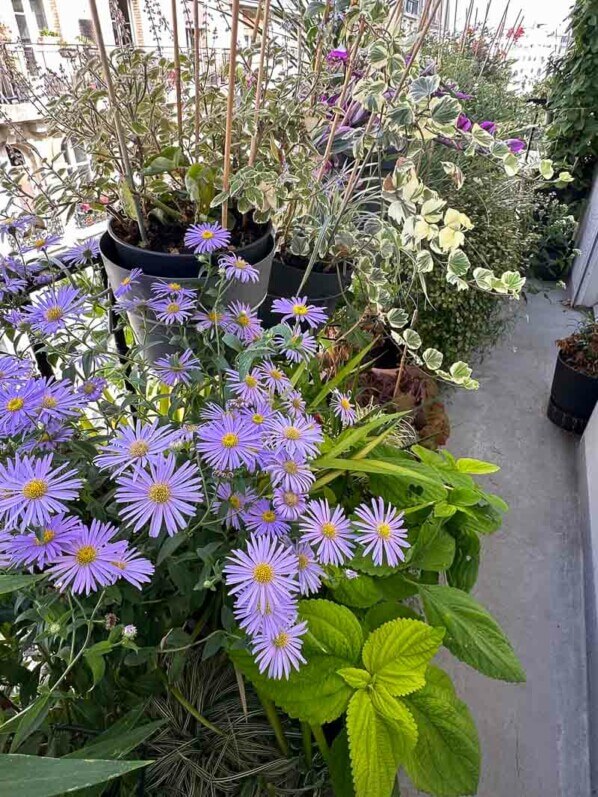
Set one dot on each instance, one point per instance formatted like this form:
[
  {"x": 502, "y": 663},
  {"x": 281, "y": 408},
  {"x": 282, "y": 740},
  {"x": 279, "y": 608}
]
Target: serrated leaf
[
  {"x": 391, "y": 708},
  {"x": 398, "y": 653},
  {"x": 339, "y": 766},
  {"x": 335, "y": 629},
  {"x": 434, "y": 548},
  {"x": 355, "y": 677},
  {"x": 361, "y": 592},
  {"x": 472, "y": 634},
  {"x": 385, "y": 612}
]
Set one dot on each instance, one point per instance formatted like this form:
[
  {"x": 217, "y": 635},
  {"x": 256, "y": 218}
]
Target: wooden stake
[
  {"x": 488, "y": 4},
  {"x": 120, "y": 135},
  {"x": 494, "y": 38},
  {"x": 196, "y": 72},
  {"x": 228, "y": 134},
  {"x": 177, "y": 74},
  {"x": 466, "y": 26},
  {"x": 260, "y": 80},
  {"x": 256, "y": 24},
  {"x": 518, "y": 23}
]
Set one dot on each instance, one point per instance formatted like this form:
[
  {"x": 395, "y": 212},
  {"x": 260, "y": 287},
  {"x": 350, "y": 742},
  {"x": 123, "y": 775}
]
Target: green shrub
[{"x": 552, "y": 238}]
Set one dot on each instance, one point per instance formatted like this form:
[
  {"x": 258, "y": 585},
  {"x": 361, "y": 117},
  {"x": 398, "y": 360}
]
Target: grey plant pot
[{"x": 155, "y": 338}]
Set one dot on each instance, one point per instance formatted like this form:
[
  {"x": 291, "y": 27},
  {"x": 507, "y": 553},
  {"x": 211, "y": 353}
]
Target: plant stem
[
  {"x": 274, "y": 720},
  {"x": 321, "y": 741},
  {"x": 177, "y": 74},
  {"x": 306, "y": 732},
  {"x": 232, "y": 64},
  {"x": 196, "y": 72},
  {"x": 176, "y": 693}
]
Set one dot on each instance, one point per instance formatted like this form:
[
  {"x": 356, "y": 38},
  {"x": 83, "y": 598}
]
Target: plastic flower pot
[
  {"x": 157, "y": 339},
  {"x": 322, "y": 288},
  {"x": 572, "y": 398},
  {"x": 182, "y": 265}
]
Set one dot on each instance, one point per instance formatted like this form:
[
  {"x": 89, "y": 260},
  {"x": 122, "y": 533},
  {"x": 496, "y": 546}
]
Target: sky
[{"x": 549, "y": 12}]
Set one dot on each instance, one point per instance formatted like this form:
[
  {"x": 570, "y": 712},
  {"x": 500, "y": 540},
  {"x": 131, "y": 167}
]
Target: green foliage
[{"x": 552, "y": 238}]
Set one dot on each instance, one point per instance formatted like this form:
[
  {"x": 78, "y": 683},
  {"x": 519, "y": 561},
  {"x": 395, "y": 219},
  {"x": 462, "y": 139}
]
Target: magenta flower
[
  {"x": 516, "y": 145},
  {"x": 263, "y": 576},
  {"x": 300, "y": 311},
  {"x": 164, "y": 497},
  {"x": 83, "y": 253},
  {"x": 236, "y": 267},
  {"x": 489, "y": 127},
  {"x": 329, "y": 531},
  {"x": 41, "y": 548},
  {"x": 262, "y": 519},
  {"x": 175, "y": 369},
  {"x": 280, "y": 653},
  {"x": 343, "y": 408},
  {"x": 464, "y": 123},
  {"x": 128, "y": 282},
  {"x": 227, "y": 444},
  {"x": 206, "y": 238},
  {"x": 382, "y": 531},
  {"x": 338, "y": 54},
  {"x": 32, "y": 491},
  {"x": 136, "y": 446},
  {"x": 50, "y": 312}
]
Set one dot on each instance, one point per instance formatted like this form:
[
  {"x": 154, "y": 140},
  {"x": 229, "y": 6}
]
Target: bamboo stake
[
  {"x": 517, "y": 25},
  {"x": 177, "y": 74},
  {"x": 228, "y": 135},
  {"x": 120, "y": 135},
  {"x": 466, "y": 26},
  {"x": 256, "y": 24},
  {"x": 455, "y": 18},
  {"x": 488, "y": 4},
  {"x": 494, "y": 38},
  {"x": 318, "y": 59},
  {"x": 196, "y": 72},
  {"x": 260, "y": 80}
]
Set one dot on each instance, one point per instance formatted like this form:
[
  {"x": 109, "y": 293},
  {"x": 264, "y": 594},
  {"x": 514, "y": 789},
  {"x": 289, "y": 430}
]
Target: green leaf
[
  {"x": 511, "y": 164},
  {"x": 27, "y": 721},
  {"x": 12, "y": 583},
  {"x": 375, "y": 748},
  {"x": 445, "y": 110},
  {"x": 333, "y": 629},
  {"x": 35, "y": 776},
  {"x": 463, "y": 573},
  {"x": 432, "y": 359},
  {"x": 423, "y": 87},
  {"x": 398, "y": 653},
  {"x": 379, "y": 466},
  {"x": 339, "y": 766},
  {"x": 349, "y": 368},
  {"x": 384, "y": 612},
  {"x": 434, "y": 548},
  {"x": 355, "y": 677},
  {"x": 472, "y": 634},
  {"x": 446, "y": 758},
  {"x": 546, "y": 169},
  {"x": 110, "y": 745},
  {"x": 391, "y": 708},
  {"x": 481, "y": 137},
  {"x": 476, "y": 466},
  {"x": 361, "y": 592}
]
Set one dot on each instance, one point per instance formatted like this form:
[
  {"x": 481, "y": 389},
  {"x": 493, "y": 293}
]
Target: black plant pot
[
  {"x": 154, "y": 337},
  {"x": 572, "y": 398},
  {"x": 181, "y": 266},
  {"x": 322, "y": 288}
]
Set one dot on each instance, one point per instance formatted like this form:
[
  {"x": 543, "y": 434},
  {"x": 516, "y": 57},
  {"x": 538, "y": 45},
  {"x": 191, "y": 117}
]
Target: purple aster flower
[
  {"x": 273, "y": 377},
  {"x": 298, "y": 346},
  {"x": 343, "y": 408},
  {"x": 83, "y": 253},
  {"x": 290, "y": 505},
  {"x": 265, "y": 575},
  {"x": 301, "y": 436},
  {"x": 58, "y": 400},
  {"x": 235, "y": 502},
  {"x": 516, "y": 145},
  {"x": 92, "y": 388},
  {"x": 87, "y": 561},
  {"x": 32, "y": 490},
  {"x": 43, "y": 279},
  {"x": 133, "y": 567},
  {"x": 14, "y": 224},
  {"x": 214, "y": 412},
  {"x": 136, "y": 446},
  {"x": 489, "y": 127},
  {"x": 206, "y": 238},
  {"x": 127, "y": 283},
  {"x": 270, "y": 621},
  {"x": 49, "y": 438},
  {"x": 227, "y": 444},
  {"x": 236, "y": 267},
  {"x": 308, "y": 569},
  {"x": 208, "y": 320},
  {"x": 174, "y": 369},
  {"x": 16, "y": 319},
  {"x": 300, "y": 311},
  {"x": 172, "y": 309},
  {"x": 241, "y": 321},
  {"x": 464, "y": 123},
  {"x": 10, "y": 286},
  {"x": 43, "y": 547},
  {"x": 338, "y": 54},
  {"x": 294, "y": 403},
  {"x": 262, "y": 519},
  {"x": 172, "y": 289},
  {"x": 290, "y": 472},
  {"x": 50, "y": 312},
  {"x": 5, "y": 543},
  {"x": 382, "y": 531},
  {"x": 14, "y": 368},
  {"x": 280, "y": 653},
  {"x": 41, "y": 243},
  {"x": 329, "y": 531},
  {"x": 162, "y": 497},
  {"x": 249, "y": 389},
  {"x": 19, "y": 406}
]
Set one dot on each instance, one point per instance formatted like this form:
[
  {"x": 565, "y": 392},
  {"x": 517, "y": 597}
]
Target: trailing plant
[{"x": 552, "y": 238}]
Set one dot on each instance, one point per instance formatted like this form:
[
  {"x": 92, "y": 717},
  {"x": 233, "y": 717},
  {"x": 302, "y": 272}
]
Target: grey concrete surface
[{"x": 534, "y": 737}]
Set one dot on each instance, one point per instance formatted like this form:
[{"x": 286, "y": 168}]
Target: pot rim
[{"x": 574, "y": 370}]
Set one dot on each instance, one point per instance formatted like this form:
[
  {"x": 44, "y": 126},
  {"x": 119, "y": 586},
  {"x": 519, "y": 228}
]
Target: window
[
  {"x": 76, "y": 160},
  {"x": 37, "y": 6},
  {"x": 86, "y": 29},
  {"x": 412, "y": 6},
  {"x": 24, "y": 35}
]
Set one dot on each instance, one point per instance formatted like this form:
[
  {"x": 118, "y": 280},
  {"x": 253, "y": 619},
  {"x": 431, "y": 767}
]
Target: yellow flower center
[
  {"x": 263, "y": 573},
  {"x": 257, "y": 418},
  {"x": 207, "y": 235},
  {"x": 276, "y": 374},
  {"x": 159, "y": 493},
  {"x": 230, "y": 440},
  {"x": 281, "y": 640},
  {"x": 138, "y": 448},
  {"x": 39, "y": 243},
  {"x": 292, "y": 433},
  {"x": 290, "y": 467},
  {"x": 35, "y": 488},
  {"x": 54, "y": 313},
  {"x": 345, "y": 403},
  {"x": 126, "y": 281},
  {"x": 383, "y": 530},
  {"x": 173, "y": 307},
  {"x": 86, "y": 555},
  {"x": 268, "y": 516},
  {"x": 214, "y": 316},
  {"x": 15, "y": 404},
  {"x": 235, "y": 502},
  {"x": 250, "y": 381},
  {"x": 49, "y": 402},
  {"x": 329, "y": 530},
  {"x": 240, "y": 263},
  {"x": 302, "y": 561},
  {"x": 88, "y": 388},
  {"x": 120, "y": 565},
  {"x": 300, "y": 309},
  {"x": 47, "y": 536},
  {"x": 291, "y": 499},
  {"x": 243, "y": 320},
  {"x": 174, "y": 286}
]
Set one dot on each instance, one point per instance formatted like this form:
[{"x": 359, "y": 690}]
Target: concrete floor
[{"x": 534, "y": 737}]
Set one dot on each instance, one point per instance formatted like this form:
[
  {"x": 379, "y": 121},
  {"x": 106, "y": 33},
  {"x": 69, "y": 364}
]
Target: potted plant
[
  {"x": 574, "y": 389},
  {"x": 47, "y": 36}
]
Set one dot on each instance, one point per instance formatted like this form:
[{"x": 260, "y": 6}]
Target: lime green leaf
[
  {"x": 349, "y": 368},
  {"x": 378, "y": 466},
  {"x": 12, "y": 583},
  {"x": 34, "y": 776},
  {"x": 375, "y": 747},
  {"x": 472, "y": 634},
  {"x": 391, "y": 708},
  {"x": 511, "y": 164},
  {"x": 355, "y": 677},
  {"x": 476, "y": 466},
  {"x": 333, "y": 629},
  {"x": 398, "y": 653},
  {"x": 546, "y": 169},
  {"x": 361, "y": 592},
  {"x": 339, "y": 766},
  {"x": 446, "y": 758}
]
